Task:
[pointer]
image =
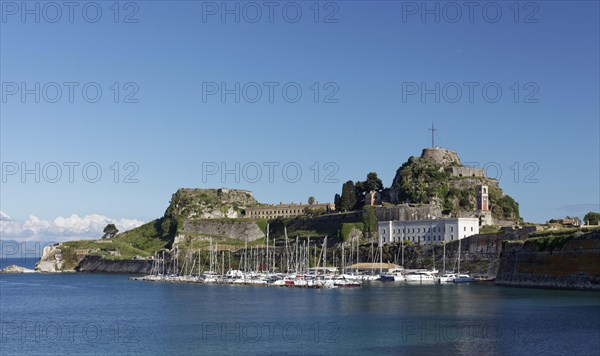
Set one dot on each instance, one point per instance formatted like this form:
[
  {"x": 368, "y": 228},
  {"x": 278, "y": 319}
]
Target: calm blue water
[{"x": 108, "y": 314}]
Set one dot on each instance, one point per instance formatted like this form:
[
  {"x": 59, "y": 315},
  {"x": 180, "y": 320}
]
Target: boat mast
[
  {"x": 297, "y": 255},
  {"x": 308, "y": 255},
  {"x": 403, "y": 228},
  {"x": 267, "y": 248},
  {"x": 357, "y": 253},
  {"x": 458, "y": 253},
  {"x": 287, "y": 251},
  {"x": 444, "y": 259},
  {"x": 343, "y": 258},
  {"x": 380, "y": 254},
  {"x": 325, "y": 253}
]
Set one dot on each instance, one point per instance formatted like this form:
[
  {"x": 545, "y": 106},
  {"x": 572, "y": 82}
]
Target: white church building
[{"x": 427, "y": 231}]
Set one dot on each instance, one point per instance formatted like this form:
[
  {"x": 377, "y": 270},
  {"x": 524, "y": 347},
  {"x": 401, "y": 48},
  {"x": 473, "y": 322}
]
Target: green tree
[
  {"x": 359, "y": 194},
  {"x": 592, "y": 218},
  {"x": 369, "y": 221},
  {"x": 110, "y": 231},
  {"x": 311, "y": 200},
  {"x": 348, "y": 199},
  {"x": 361, "y": 188},
  {"x": 337, "y": 200},
  {"x": 373, "y": 182}
]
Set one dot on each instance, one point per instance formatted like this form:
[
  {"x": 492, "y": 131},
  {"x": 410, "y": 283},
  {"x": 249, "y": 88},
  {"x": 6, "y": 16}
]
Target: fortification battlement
[{"x": 441, "y": 156}]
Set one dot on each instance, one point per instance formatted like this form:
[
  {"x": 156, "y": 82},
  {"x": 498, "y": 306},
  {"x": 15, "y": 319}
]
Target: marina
[{"x": 260, "y": 268}]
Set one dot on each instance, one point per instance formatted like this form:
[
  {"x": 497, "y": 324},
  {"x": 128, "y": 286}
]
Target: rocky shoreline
[
  {"x": 14, "y": 269},
  {"x": 96, "y": 264}
]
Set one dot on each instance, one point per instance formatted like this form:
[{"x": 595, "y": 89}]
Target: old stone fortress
[{"x": 412, "y": 227}]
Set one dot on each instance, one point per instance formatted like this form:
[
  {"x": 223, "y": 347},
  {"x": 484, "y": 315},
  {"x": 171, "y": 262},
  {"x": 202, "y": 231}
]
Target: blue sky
[{"x": 365, "y": 57}]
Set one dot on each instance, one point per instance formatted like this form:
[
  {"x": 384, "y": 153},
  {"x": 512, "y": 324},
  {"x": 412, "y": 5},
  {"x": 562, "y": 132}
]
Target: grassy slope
[
  {"x": 552, "y": 239},
  {"x": 143, "y": 241}
]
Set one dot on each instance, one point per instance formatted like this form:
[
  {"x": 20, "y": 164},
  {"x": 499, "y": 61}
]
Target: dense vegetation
[
  {"x": 353, "y": 194},
  {"x": 592, "y": 218},
  {"x": 421, "y": 181}
]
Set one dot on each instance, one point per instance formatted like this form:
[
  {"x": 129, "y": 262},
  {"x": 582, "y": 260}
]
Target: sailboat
[
  {"x": 461, "y": 278},
  {"x": 211, "y": 276},
  {"x": 447, "y": 277},
  {"x": 422, "y": 275}
]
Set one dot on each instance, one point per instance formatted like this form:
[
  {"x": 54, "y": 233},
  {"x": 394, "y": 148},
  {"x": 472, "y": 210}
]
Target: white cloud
[
  {"x": 4, "y": 217},
  {"x": 62, "y": 228}
]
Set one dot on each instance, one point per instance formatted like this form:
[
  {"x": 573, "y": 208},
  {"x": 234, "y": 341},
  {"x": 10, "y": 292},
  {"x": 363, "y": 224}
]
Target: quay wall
[{"x": 535, "y": 264}]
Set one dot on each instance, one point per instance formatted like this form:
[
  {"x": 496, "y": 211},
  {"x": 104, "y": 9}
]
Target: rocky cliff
[
  {"x": 99, "y": 265},
  {"x": 52, "y": 260},
  {"x": 188, "y": 203},
  {"x": 570, "y": 262},
  {"x": 61, "y": 258},
  {"x": 220, "y": 229}
]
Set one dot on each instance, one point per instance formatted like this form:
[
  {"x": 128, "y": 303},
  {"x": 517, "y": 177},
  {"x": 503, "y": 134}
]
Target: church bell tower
[{"x": 483, "y": 198}]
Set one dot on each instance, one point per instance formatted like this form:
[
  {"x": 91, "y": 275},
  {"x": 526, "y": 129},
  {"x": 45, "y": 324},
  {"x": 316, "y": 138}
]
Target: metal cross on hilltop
[{"x": 433, "y": 130}]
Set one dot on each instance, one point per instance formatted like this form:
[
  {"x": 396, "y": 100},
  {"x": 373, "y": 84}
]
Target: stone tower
[{"x": 483, "y": 198}]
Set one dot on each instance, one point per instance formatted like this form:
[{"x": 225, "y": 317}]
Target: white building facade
[{"x": 427, "y": 231}]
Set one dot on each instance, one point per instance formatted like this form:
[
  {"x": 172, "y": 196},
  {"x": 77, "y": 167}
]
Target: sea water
[{"x": 102, "y": 314}]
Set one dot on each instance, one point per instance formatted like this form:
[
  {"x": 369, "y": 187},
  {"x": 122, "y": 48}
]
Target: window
[
  {"x": 451, "y": 237},
  {"x": 451, "y": 228},
  {"x": 465, "y": 228},
  {"x": 471, "y": 228}
]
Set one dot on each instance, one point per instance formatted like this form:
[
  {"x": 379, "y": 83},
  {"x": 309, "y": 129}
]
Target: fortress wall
[{"x": 468, "y": 172}]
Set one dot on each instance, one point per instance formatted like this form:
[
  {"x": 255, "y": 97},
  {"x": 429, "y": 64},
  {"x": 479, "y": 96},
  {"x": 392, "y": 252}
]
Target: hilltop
[{"x": 438, "y": 177}]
